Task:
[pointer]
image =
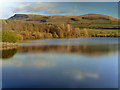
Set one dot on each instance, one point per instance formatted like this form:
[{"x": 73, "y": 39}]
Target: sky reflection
[{"x": 62, "y": 66}]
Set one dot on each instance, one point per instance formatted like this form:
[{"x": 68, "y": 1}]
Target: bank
[{"x": 7, "y": 45}]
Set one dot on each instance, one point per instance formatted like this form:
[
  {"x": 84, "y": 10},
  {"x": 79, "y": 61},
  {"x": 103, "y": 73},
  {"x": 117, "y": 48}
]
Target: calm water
[{"x": 62, "y": 63}]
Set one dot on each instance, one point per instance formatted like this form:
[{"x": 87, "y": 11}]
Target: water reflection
[
  {"x": 60, "y": 71},
  {"x": 8, "y": 53},
  {"x": 86, "y": 50},
  {"x": 81, "y": 75},
  {"x": 62, "y": 66}
]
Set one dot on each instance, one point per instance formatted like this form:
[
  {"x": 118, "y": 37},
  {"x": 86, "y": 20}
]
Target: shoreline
[
  {"x": 72, "y": 37},
  {"x": 7, "y": 45}
]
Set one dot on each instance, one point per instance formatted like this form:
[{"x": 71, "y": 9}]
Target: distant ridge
[
  {"x": 83, "y": 21},
  {"x": 34, "y": 17}
]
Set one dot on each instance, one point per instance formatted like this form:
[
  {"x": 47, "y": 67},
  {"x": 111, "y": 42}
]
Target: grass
[{"x": 102, "y": 32}]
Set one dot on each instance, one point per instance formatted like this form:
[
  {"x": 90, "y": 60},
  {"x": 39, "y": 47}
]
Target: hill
[
  {"x": 83, "y": 21},
  {"x": 34, "y": 17}
]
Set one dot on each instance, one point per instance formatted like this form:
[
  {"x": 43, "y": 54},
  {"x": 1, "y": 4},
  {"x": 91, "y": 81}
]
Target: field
[{"x": 102, "y": 32}]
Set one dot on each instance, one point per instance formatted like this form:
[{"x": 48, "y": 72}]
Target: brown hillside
[
  {"x": 33, "y": 17},
  {"x": 83, "y": 21}
]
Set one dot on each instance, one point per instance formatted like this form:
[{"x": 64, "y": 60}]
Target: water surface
[{"x": 62, "y": 63}]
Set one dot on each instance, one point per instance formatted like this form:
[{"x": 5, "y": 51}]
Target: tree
[
  {"x": 68, "y": 27},
  {"x": 85, "y": 32}
]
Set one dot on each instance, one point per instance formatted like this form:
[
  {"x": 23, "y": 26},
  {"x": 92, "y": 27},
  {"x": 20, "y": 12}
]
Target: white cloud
[
  {"x": 81, "y": 75},
  {"x": 22, "y": 6},
  {"x": 34, "y": 7},
  {"x": 34, "y": 61}
]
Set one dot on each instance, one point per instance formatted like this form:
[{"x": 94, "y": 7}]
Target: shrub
[
  {"x": 9, "y": 36},
  {"x": 48, "y": 35},
  {"x": 55, "y": 35},
  {"x": 20, "y": 37}
]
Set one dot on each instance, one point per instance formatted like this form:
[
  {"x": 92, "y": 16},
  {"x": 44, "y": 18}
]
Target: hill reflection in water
[{"x": 86, "y": 50}]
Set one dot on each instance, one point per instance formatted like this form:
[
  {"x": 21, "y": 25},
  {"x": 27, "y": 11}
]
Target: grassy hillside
[{"x": 96, "y": 21}]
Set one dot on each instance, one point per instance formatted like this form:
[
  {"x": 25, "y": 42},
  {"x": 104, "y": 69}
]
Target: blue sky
[{"x": 59, "y": 8}]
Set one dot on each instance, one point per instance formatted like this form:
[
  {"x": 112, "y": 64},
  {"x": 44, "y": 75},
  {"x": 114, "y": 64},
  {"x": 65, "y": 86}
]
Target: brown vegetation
[{"x": 29, "y": 26}]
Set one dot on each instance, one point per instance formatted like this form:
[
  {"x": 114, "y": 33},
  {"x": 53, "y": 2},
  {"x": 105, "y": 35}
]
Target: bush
[
  {"x": 9, "y": 36},
  {"x": 55, "y": 35},
  {"x": 20, "y": 37},
  {"x": 48, "y": 35}
]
